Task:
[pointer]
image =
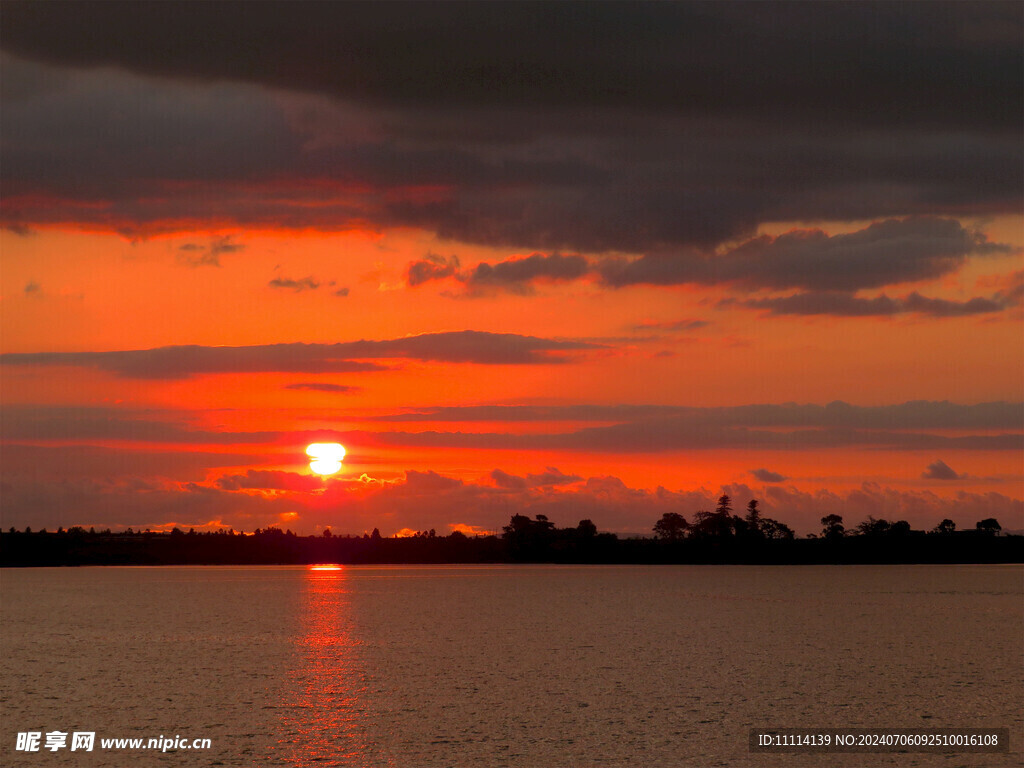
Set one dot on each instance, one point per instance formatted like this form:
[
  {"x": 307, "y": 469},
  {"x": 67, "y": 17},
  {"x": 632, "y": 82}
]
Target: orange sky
[
  {"x": 608, "y": 311},
  {"x": 100, "y": 292}
]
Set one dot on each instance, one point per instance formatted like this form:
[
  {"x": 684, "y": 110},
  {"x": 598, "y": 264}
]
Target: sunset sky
[{"x": 592, "y": 260}]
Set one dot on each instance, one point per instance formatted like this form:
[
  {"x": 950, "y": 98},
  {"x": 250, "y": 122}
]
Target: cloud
[
  {"x": 425, "y": 500},
  {"x": 636, "y": 429},
  {"x": 529, "y": 413},
  {"x": 767, "y": 476},
  {"x": 431, "y": 267},
  {"x": 1012, "y": 289},
  {"x": 846, "y": 305},
  {"x": 110, "y": 464},
  {"x": 429, "y": 482},
  {"x": 511, "y": 482},
  {"x": 302, "y": 284},
  {"x": 670, "y": 435},
  {"x": 914, "y": 425},
  {"x": 261, "y": 479},
  {"x": 133, "y": 503},
  {"x": 76, "y": 423},
  {"x": 780, "y": 61},
  {"x": 940, "y": 470},
  {"x": 195, "y": 255},
  {"x": 179, "y": 362},
  {"x": 468, "y": 530},
  {"x": 32, "y": 288},
  {"x": 922, "y": 509},
  {"x": 688, "y": 324},
  {"x": 914, "y": 414},
  {"x": 571, "y": 143},
  {"x": 518, "y": 274},
  {"x": 312, "y": 386},
  {"x": 550, "y": 477},
  {"x": 883, "y": 253}
]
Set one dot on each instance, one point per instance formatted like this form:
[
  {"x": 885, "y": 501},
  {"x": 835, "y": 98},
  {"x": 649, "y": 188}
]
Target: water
[{"x": 506, "y": 665}]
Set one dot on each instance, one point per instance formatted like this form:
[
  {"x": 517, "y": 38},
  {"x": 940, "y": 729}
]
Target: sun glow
[{"x": 325, "y": 458}]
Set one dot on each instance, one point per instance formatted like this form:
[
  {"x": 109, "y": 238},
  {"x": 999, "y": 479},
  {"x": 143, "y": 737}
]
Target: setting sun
[{"x": 325, "y": 458}]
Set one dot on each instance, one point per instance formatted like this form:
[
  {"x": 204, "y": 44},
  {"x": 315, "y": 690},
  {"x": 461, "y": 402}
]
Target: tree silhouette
[
  {"x": 526, "y": 537},
  {"x": 989, "y": 526},
  {"x": 718, "y": 524},
  {"x": 518, "y": 525},
  {"x": 753, "y": 519},
  {"x": 833, "y": 527},
  {"x": 873, "y": 527},
  {"x": 773, "y": 529},
  {"x": 671, "y": 527},
  {"x": 704, "y": 524},
  {"x": 525, "y": 540},
  {"x": 543, "y": 525},
  {"x": 899, "y": 528}
]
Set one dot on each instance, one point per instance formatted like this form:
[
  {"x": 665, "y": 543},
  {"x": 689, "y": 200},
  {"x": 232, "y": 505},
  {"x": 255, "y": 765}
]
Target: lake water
[{"x": 481, "y": 666}]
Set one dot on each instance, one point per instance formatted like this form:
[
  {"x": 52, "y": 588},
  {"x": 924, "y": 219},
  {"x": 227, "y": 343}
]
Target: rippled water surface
[{"x": 542, "y": 666}]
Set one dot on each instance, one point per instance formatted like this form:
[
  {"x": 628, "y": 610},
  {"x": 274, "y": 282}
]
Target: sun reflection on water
[{"x": 323, "y": 720}]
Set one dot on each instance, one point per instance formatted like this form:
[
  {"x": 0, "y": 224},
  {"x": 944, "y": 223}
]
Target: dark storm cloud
[
  {"x": 845, "y": 305},
  {"x": 100, "y": 133},
  {"x": 781, "y": 57},
  {"x": 767, "y": 476},
  {"x": 883, "y": 253},
  {"x": 575, "y": 127},
  {"x": 940, "y": 470},
  {"x": 183, "y": 361}
]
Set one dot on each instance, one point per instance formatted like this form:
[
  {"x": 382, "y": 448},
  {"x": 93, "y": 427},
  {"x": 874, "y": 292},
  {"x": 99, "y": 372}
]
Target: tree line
[
  {"x": 712, "y": 537},
  {"x": 722, "y": 523}
]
